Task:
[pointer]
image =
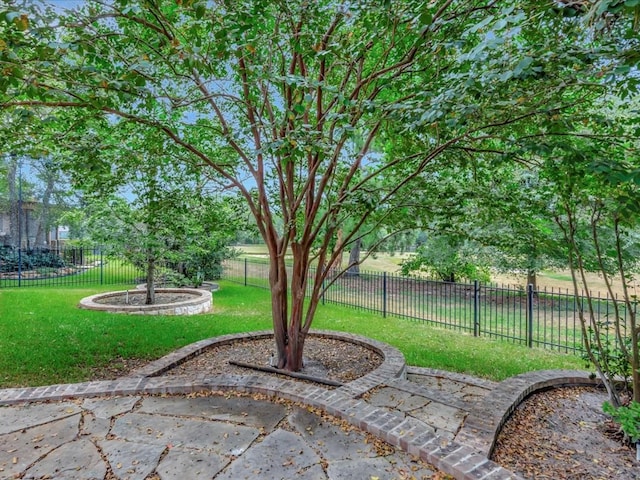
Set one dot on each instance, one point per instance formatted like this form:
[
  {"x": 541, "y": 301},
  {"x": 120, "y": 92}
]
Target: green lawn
[{"x": 46, "y": 339}]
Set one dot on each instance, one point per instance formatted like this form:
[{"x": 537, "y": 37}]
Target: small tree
[
  {"x": 597, "y": 208},
  {"x": 449, "y": 258},
  {"x": 149, "y": 209}
]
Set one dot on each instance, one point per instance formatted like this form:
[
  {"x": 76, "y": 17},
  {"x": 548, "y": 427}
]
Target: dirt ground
[{"x": 563, "y": 434}]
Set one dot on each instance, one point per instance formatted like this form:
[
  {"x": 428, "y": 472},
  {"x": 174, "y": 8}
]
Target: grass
[
  {"x": 46, "y": 339},
  {"x": 501, "y": 313},
  {"x": 428, "y": 346}
]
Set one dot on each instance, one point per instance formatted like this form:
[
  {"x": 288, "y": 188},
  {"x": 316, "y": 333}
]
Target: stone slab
[
  {"x": 109, "y": 407},
  {"x": 335, "y": 443},
  {"x": 242, "y": 410},
  {"x": 442, "y": 418},
  {"x": 182, "y": 463},
  {"x": 19, "y": 450},
  {"x": 95, "y": 428},
  {"x": 79, "y": 459},
  {"x": 388, "y": 397},
  {"x": 223, "y": 438},
  {"x": 19, "y": 417},
  {"x": 131, "y": 460},
  {"x": 281, "y": 454},
  {"x": 363, "y": 468}
]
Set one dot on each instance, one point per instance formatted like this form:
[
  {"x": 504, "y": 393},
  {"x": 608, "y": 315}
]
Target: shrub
[
  {"x": 11, "y": 260},
  {"x": 628, "y": 417}
]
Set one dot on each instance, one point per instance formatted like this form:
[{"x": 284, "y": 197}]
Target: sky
[{"x": 65, "y": 4}]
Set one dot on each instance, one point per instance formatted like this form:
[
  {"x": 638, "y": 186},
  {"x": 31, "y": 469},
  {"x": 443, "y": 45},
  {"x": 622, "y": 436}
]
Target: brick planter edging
[
  {"x": 393, "y": 364},
  {"x": 486, "y": 419}
]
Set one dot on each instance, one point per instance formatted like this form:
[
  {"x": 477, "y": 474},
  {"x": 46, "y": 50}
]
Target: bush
[
  {"x": 206, "y": 265},
  {"x": 628, "y": 417},
  {"x": 609, "y": 353},
  {"x": 11, "y": 260}
]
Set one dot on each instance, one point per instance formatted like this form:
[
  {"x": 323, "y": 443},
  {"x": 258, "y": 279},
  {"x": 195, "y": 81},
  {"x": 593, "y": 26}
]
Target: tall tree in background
[
  {"x": 286, "y": 101},
  {"x": 31, "y": 165}
]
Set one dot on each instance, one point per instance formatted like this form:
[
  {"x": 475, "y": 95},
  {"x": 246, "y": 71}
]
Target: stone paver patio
[{"x": 174, "y": 427}]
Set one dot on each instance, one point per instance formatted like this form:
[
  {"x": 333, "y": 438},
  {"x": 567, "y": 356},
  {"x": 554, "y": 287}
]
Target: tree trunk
[
  {"x": 288, "y": 328},
  {"x": 279, "y": 306},
  {"x": 354, "y": 258},
  {"x": 151, "y": 288},
  {"x": 635, "y": 361},
  {"x": 336, "y": 265},
  {"x": 45, "y": 213},
  {"x": 14, "y": 203},
  {"x": 532, "y": 279}
]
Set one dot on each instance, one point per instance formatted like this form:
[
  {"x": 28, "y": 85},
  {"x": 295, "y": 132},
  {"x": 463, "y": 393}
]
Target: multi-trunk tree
[{"x": 303, "y": 107}]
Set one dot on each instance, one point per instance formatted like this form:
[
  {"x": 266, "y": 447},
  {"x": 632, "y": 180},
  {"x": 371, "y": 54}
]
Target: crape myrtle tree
[{"x": 287, "y": 102}]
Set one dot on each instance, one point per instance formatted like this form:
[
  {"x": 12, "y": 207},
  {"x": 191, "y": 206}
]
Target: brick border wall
[{"x": 201, "y": 303}]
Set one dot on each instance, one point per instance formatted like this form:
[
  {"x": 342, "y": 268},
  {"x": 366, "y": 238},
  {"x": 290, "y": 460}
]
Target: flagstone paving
[{"x": 181, "y": 427}]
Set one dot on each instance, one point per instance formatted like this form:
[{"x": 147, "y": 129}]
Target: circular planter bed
[{"x": 169, "y": 301}]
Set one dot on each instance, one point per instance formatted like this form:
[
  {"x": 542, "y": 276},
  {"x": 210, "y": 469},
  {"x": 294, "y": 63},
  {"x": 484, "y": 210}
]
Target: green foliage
[
  {"x": 628, "y": 417},
  {"x": 594, "y": 203},
  {"x": 11, "y": 260},
  {"x": 605, "y": 349},
  {"x": 449, "y": 259},
  {"x": 335, "y": 113},
  {"x": 206, "y": 265},
  {"x": 171, "y": 278}
]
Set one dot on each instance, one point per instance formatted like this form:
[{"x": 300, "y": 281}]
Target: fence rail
[
  {"x": 63, "y": 266},
  {"x": 546, "y": 318}
]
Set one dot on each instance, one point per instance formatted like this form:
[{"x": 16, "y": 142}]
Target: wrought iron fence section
[
  {"x": 546, "y": 318},
  {"x": 63, "y": 266}
]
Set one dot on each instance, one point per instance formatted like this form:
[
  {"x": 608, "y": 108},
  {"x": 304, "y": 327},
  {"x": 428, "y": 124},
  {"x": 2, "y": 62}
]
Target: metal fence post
[
  {"x": 245, "y": 272},
  {"x": 101, "y": 268},
  {"x": 476, "y": 308},
  {"x": 19, "y": 263},
  {"x": 384, "y": 294},
  {"x": 530, "y": 315}
]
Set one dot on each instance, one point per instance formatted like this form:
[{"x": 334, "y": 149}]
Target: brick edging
[
  {"x": 393, "y": 364},
  {"x": 487, "y": 417}
]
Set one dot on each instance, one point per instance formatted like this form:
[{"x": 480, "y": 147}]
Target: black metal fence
[
  {"x": 545, "y": 318},
  {"x": 63, "y": 266}
]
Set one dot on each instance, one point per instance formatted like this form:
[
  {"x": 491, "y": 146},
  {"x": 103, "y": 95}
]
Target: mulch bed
[{"x": 563, "y": 434}]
